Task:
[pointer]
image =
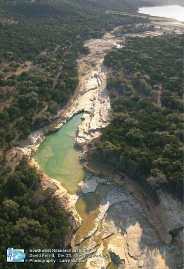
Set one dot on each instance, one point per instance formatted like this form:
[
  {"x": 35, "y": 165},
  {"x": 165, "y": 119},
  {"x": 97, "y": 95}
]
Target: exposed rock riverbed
[
  {"x": 91, "y": 96},
  {"x": 120, "y": 226}
]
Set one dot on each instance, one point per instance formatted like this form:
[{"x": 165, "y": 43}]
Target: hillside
[
  {"x": 145, "y": 136},
  {"x": 40, "y": 42}
]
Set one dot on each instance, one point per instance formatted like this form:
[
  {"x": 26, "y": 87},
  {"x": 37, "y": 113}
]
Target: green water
[
  {"x": 112, "y": 265},
  {"x": 88, "y": 208},
  {"x": 59, "y": 159}
]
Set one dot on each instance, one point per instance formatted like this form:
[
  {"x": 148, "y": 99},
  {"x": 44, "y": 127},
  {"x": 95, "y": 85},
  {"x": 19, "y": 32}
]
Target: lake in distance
[{"x": 171, "y": 11}]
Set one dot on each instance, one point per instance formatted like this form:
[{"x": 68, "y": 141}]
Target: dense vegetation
[
  {"x": 29, "y": 217},
  {"x": 145, "y": 136},
  {"x": 40, "y": 42}
]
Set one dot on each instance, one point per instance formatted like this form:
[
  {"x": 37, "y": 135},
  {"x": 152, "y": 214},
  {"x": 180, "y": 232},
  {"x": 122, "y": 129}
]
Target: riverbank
[
  {"x": 117, "y": 223},
  {"x": 91, "y": 96},
  {"x": 157, "y": 213},
  {"x": 64, "y": 200}
]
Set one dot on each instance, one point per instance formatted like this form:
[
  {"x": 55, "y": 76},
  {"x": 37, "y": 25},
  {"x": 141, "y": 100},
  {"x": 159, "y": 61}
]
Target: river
[
  {"x": 114, "y": 227},
  {"x": 170, "y": 11},
  {"x": 114, "y": 231},
  {"x": 59, "y": 159}
]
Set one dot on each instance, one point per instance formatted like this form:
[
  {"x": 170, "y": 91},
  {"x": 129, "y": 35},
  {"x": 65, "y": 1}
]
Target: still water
[
  {"x": 59, "y": 159},
  {"x": 173, "y": 11}
]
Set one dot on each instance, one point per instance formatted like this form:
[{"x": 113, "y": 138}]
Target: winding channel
[{"x": 114, "y": 227}]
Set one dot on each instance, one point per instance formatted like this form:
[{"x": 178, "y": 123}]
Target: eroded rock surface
[
  {"x": 122, "y": 230},
  {"x": 91, "y": 96},
  {"x": 64, "y": 200}
]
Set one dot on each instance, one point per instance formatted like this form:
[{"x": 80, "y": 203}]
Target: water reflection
[
  {"x": 173, "y": 11},
  {"x": 59, "y": 159}
]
